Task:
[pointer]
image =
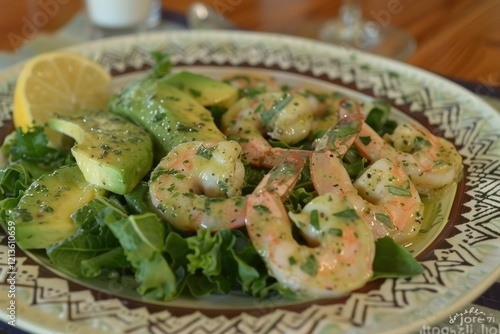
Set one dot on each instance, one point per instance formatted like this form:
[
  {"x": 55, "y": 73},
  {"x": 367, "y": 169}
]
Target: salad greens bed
[{"x": 120, "y": 235}]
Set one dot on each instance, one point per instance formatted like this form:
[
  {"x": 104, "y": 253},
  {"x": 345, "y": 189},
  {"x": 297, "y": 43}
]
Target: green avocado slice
[
  {"x": 169, "y": 115},
  {"x": 43, "y": 215},
  {"x": 205, "y": 90},
  {"x": 112, "y": 152}
]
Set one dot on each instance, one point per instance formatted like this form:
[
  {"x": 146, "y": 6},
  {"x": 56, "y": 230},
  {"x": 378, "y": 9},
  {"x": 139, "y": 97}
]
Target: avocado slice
[
  {"x": 43, "y": 215},
  {"x": 207, "y": 91},
  {"x": 111, "y": 152},
  {"x": 167, "y": 113}
]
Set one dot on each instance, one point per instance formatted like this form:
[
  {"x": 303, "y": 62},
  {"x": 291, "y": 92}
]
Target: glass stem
[{"x": 351, "y": 16}]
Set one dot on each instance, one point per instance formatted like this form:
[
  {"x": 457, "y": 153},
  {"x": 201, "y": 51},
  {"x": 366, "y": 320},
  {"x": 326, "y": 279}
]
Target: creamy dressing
[{"x": 437, "y": 208}]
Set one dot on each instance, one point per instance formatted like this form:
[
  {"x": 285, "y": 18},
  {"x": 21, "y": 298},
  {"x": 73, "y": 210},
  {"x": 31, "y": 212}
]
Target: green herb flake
[
  {"x": 262, "y": 208},
  {"x": 398, "y": 191},
  {"x": 347, "y": 214},
  {"x": 268, "y": 115},
  {"x": 159, "y": 116},
  {"x": 224, "y": 186},
  {"x": 163, "y": 64},
  {"x": 365, "y": 140},
  {"x": 384, "y": 219},
  {"x": 310, "y": 266},
  {"x": 342, "y": 131},
  {"x": 420, "y": 143},
  {"x": 46, "y": 208},
  {"x": 335, "y": 231},
  {"x": 185, "y": 128},
  {"x": 180, "y": 176},
  {"x": 206, "y": 152},
  {"x": 21, "y": 214},
  {"x": 258, "y": 109},
  {"x": 252, "y": 91},
  {"x": 194, "y": 92},
  {"x": 315, "y": 219}
]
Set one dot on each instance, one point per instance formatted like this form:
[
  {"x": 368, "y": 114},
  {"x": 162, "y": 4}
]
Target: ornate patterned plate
[{"x": 461, "y": 251}]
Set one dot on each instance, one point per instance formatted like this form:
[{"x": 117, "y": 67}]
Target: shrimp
[
  {"x": 198, "y": 185},
  {"x": 325, "y": 106},
  {"x": 284, "y": 117},
  {"x": 431, "y": 162},
  {"x": 383, "y": 195},
  {"x": 340, "y": 250},
  {"x": 252, "y": 82}
]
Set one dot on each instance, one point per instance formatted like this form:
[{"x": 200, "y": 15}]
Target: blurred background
[{"x": 458, "y": 39}]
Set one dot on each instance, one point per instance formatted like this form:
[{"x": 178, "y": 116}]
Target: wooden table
[{"x": 459, "y": 39}]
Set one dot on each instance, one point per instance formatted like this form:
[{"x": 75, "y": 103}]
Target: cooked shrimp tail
[
  {"x": 340, "y": 253},
  {"x": 431, "y": 162},
  {"x": 198, "y": 185},
  {"x": 341, "y": 137},
  {"x": 282, "y": 178},
  {"x": 383, "y": 195},
  {"x": 276, "y": 115}
]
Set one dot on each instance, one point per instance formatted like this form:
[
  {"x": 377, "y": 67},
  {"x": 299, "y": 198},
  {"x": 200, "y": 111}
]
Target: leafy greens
[{"x": 123, "y": 234}]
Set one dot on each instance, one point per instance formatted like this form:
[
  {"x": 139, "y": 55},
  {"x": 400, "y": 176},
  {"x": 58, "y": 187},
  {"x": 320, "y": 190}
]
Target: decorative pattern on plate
[{"x": 459, "y": 268}]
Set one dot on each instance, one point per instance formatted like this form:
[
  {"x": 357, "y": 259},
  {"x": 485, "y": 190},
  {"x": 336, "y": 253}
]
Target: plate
[{"x": 461, "y": 253}]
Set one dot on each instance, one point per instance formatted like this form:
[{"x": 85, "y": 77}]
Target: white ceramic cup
[{"x": 120, "y": 14}]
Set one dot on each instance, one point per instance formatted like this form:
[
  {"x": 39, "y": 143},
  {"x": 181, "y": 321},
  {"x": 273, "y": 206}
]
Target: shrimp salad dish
[{"x": 194, "y": 186}]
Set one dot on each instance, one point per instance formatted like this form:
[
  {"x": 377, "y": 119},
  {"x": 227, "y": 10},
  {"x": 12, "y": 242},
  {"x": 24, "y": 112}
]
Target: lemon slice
[{"x": 58, "y": 83}]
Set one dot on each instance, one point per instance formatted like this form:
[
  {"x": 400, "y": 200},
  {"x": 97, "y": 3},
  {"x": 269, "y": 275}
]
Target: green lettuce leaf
[
  {"x": 29, "y": 157},
  {"x": 112, "y": 259},
  {"x": 378, "y": 117},
  {"x": 218, "y": 263},
  {"x": 14, "y": 179},
  {"x": 138, "y": 199},
  {"x": 31, "y": 150},
  {"x": 205, "y": 264},
  {"x": 393, "y": 260},
  {"x": 142, "y": 238},
  {"x": 92, "y": 239}
]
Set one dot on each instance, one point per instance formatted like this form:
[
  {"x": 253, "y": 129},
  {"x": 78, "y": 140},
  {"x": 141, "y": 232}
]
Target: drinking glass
[
  {"x": 375, "y": 36},
  {"x": 116, "y": 17}
]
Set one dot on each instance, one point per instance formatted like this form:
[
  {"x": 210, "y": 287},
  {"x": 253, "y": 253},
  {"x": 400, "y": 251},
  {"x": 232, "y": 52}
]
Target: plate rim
[{"x": 89, "y": 47}]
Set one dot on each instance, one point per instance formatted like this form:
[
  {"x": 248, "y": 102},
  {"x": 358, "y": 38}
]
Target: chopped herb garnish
[
  {"x": 159, "y": 116},
  {"x": 46, "y": 208},
  {"x": 398, "y": 191},
  {"x": 22, "y": 214},
  {"x": 163, "y": 64},
  {"x": 420, "y": 143},
  {"x": 335, "y": 231},
  {"x": 384, "y": 219},
  {"x": 310, "y": 266},
  {"x": 224, "y": 186},
  {"x": 184, "y": 128},
  {"x": 378, "y": 116},
  {"x": 262, "y": 208},
  {"x": 206, "y": 152},
  {"x": 347, "y": 214},
  {"x": 268, "y": 115},
  {"x": 315, "y": 219},
  {"x": 365, "y": 139},
  {"x": 194, "y": 92},
  {"x": 342, "y": 131}
]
